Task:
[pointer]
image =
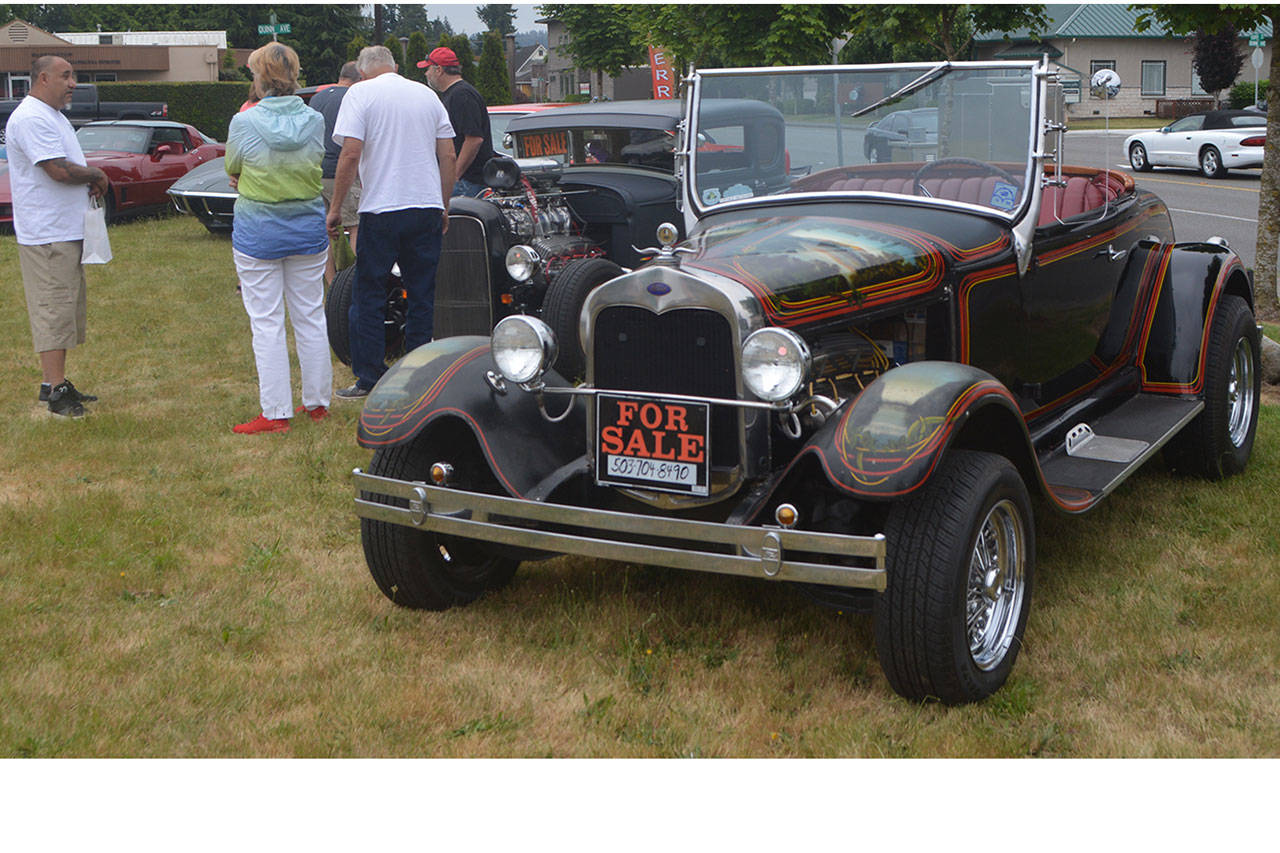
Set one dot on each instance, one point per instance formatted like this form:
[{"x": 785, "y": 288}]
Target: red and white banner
[{"x": 664, "y": 77}]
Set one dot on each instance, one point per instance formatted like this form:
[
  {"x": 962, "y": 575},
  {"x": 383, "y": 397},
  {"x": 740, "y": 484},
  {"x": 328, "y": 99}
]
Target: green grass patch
[{"x": 168, "y": 588}]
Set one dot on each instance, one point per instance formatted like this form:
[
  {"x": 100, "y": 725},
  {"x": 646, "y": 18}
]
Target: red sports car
[{"x": 142, "y": 158}]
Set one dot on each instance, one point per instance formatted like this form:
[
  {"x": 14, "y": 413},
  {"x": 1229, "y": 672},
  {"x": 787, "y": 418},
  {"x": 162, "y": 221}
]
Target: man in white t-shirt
[
  {"x": 396, "y": 133},
  {"x": 48, "y": 177}
]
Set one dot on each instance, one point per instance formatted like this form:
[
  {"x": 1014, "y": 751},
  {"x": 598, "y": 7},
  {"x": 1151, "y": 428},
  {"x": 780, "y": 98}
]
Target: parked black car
[
  {"x": 851, "y": 378},
  {"x": 908, "y": 135}
]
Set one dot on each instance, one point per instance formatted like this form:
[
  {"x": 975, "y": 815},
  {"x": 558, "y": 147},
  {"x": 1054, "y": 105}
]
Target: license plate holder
[{"x": 651, "y": 443}]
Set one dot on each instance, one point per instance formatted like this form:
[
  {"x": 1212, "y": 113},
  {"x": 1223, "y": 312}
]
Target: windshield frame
[{"x": 1028, "y": 205}]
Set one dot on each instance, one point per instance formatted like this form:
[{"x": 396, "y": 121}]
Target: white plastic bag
[{"x": 97, "y": 248}]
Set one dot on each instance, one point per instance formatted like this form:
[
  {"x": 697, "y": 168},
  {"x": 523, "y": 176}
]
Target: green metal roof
[{"x": 1091, "y": 20}]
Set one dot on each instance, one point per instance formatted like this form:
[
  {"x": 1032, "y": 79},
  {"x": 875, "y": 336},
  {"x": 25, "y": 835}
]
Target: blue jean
[
  {"x": 467, "y": 188},
  {"x": 412, "y": 238}
]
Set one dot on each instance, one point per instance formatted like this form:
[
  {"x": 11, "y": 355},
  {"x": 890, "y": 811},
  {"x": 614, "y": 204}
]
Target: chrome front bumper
[{"x": 757, "y": 552}]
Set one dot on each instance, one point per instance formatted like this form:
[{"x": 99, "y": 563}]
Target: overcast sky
[{"x": 462, "y": 16}]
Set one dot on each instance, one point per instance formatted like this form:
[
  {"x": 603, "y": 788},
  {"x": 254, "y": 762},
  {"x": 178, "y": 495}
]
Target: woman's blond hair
[{"x": 275, "y": 69}]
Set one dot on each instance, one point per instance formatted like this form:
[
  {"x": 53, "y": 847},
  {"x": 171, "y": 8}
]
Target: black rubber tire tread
[
  {"x": 563, "y": 307},
  {"x": 1146, "y": 158},
  {"x": 406, "y": 564},
  {"x": 1204, "y": 448},
  {"x": 920, "y": 617},
  {"x": 1220, "y": 172},
  {"x": 337, "y": 317}
]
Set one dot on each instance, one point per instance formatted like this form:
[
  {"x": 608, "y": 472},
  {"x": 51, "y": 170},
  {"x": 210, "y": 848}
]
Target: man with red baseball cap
[{"x": 473, "y": 138}]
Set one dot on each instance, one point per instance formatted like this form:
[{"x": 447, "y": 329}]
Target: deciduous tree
[
  {"x": 603, "y": 39},
  {"x": 1216, "y": 59},
  {"x": 497, "y": 17}
]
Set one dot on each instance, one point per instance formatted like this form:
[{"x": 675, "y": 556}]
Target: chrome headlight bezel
[
  {"x": 523, "y": 348},
  {"x": 521, "y": 262},
  {"x": 775, "y": 363}
]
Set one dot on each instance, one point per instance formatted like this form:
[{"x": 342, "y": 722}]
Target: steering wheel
[{"x": 917, "y": 187}]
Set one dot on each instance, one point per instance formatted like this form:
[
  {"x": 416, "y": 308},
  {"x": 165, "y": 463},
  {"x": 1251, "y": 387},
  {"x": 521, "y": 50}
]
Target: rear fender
[
  {"x": 446, "y": 379},
  {"x": 1191, "y": 281},
  {"x": 887, "y": 442}
]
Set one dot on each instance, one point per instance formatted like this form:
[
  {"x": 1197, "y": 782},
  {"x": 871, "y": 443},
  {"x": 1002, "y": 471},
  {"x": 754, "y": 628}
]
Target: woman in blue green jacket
[{"x": 278, "y": 238}]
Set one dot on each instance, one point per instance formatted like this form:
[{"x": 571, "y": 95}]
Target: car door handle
[{"x": 1112, "y": 254}]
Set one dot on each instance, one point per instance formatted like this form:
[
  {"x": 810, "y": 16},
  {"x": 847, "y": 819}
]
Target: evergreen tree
[
  {"x": 419, "y": 47},
  {"x": 354, "y": 47},
  {"x": 397, "y": 52},
  {"x": 461, "y": 44},
  {"x": 491, "y": 78}
]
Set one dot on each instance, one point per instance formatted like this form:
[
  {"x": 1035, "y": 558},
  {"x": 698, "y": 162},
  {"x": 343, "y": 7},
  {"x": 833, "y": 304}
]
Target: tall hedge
[{"x": 207, "y": 106}]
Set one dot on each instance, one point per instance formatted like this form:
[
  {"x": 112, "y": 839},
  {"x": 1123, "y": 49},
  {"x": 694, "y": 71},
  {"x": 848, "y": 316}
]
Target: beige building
[
  {"x": 1154, "y": 67},
  {"x": 110, "y": 57}
]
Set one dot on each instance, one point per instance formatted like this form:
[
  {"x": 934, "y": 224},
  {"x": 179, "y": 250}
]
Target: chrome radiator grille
[
  {"x": 687, "y": 351},
  {"x": 464, "y": 301}
]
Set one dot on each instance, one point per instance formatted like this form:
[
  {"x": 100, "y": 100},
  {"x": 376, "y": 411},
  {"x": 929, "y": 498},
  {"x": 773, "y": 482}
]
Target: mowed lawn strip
[{"x": 168, "y": 588}]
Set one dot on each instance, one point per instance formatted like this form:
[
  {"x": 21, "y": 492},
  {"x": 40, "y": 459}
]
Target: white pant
[{"x": 265, "y": 286}]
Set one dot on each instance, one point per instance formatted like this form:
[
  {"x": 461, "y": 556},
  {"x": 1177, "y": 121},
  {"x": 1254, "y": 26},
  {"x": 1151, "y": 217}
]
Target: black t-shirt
[{"x": 469, "y": 117}]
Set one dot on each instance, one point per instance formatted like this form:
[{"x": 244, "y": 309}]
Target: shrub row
[
  {"x": 207, "y": 106},
  {"x": 1241, "y": 94}
]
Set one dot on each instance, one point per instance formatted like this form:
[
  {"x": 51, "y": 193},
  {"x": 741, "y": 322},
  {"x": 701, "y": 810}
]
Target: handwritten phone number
[{"x": 655, "y": 472}]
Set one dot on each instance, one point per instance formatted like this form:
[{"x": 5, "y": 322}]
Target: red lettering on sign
[
  {"x": 611, "y": 439},
  {"x": 636, "y": 447},
  {"x": 677, "y": 419},
  {"x": 651, "y": 415},
  {"x": 658, "y": 453},
  {"x": 691, "y": 449},
  {"x": 626, "y": 411}
]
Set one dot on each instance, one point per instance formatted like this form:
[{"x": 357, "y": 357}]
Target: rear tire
[
  {"x": 1219, "y": 442},
  {"x": 1211, "y": 163},
  {"x": 961, "y": 564},
  {"x": 563, "y": 307},
  {"x": 416, "y": 568}
]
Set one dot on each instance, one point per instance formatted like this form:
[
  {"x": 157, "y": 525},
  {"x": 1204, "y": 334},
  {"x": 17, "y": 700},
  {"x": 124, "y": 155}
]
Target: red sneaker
[
  {"x": 317, "y": 414},
  {"x": 262, "y": 424}
]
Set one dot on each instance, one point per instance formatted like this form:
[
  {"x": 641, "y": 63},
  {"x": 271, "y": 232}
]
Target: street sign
[
  {"x": 1256, "y": 40},
  {"x": 1256, "y": 57},
  {"x": 273, "y": 29}
]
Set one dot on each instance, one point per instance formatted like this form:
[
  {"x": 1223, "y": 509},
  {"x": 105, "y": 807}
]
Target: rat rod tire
[
  {"x": 961, "y": 559},
  {"x": 416, "y": 568},
  {"x": 563, "y": 307},
  {"x": 1219, "y": 441},
  {"x": 337, "y": 315}
]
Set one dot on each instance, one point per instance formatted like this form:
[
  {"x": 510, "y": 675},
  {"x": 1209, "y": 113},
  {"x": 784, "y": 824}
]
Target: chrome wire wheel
[
  {"x": 1240, "y": 397},
  {"x": 996, "y": 585}
]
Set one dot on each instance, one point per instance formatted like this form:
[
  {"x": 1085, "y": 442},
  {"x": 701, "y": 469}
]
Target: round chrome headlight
[
  {"x": 523, "y": 348},
  {"x": 775, "y": 364},
  {"x": 521, "y": 262}
]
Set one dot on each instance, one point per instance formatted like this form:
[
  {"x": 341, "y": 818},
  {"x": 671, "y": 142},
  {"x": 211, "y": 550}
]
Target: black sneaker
[
  {"x": 63, "y": 402},
  {"x": 352, "y": 392},
  {"x": 75, "y": 394}
]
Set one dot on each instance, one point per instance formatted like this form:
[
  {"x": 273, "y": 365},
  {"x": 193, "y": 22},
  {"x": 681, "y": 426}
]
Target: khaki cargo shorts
[
  {"x": 350, "y": 205},
  {"x": 57, "y": 305}
]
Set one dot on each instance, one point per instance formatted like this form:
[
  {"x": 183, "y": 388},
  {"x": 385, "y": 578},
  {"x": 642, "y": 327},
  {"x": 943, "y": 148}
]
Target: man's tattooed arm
[{"x": 65, "y": 172}]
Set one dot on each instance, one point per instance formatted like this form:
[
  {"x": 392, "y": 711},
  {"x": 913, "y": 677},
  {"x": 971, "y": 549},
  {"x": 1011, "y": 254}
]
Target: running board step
[{"x": 1098, "y": 456}]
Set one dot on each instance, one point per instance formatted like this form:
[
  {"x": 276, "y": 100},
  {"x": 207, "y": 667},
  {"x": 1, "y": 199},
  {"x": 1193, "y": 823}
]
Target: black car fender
[
  {"x": 887, "y": 442},
  {"x": 1191, "y": 280},
  {"x": 446, "y": 379}
]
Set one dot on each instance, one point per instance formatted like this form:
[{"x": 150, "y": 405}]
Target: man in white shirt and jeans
[
  {"x": 48, "y": 177},
  {"x": 397, "y": 134}
]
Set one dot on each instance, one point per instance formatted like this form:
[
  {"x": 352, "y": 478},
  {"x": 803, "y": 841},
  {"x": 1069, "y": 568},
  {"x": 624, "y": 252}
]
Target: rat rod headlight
[
  {"x": 521, "y": 262},
  {"x": 523, "y": 348},
  {"x": 775, "y": 364}
]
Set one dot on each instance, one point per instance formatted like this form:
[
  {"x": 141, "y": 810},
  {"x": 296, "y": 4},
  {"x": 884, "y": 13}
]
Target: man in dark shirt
[
  {"x": 326, "y": 102},
  {"x": 467, "y": 113}
]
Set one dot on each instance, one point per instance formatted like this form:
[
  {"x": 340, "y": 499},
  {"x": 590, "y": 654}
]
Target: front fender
[
  {"x": 1192, "y": 279},
  {"x": 446, "y": 379},
  {"x": 887, "y": 442}
]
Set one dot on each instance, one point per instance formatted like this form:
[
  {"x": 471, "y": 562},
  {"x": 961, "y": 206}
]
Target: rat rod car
[
  {"x": 852, "y": 381},
  {"x": 589, "y": 183}
]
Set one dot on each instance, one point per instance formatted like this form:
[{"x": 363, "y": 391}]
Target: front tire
[
  {"x": 563, "y": 307},
  {"x": 1138, "y": 158},
  {"x": 1211, "y": 163},
  {"x": 1219, "y": 442},
  {"x": 418, "y": 569},
  {"x": 961, "y": 564},
  {"x": 337, "y": 315}
]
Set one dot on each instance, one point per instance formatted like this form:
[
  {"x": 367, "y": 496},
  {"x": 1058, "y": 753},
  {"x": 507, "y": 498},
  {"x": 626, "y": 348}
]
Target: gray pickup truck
[{"x": 85, "y": 107}]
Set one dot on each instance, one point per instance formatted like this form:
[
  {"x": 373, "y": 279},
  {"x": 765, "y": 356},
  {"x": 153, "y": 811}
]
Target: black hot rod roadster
[{"x": 852, "y": 380}]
